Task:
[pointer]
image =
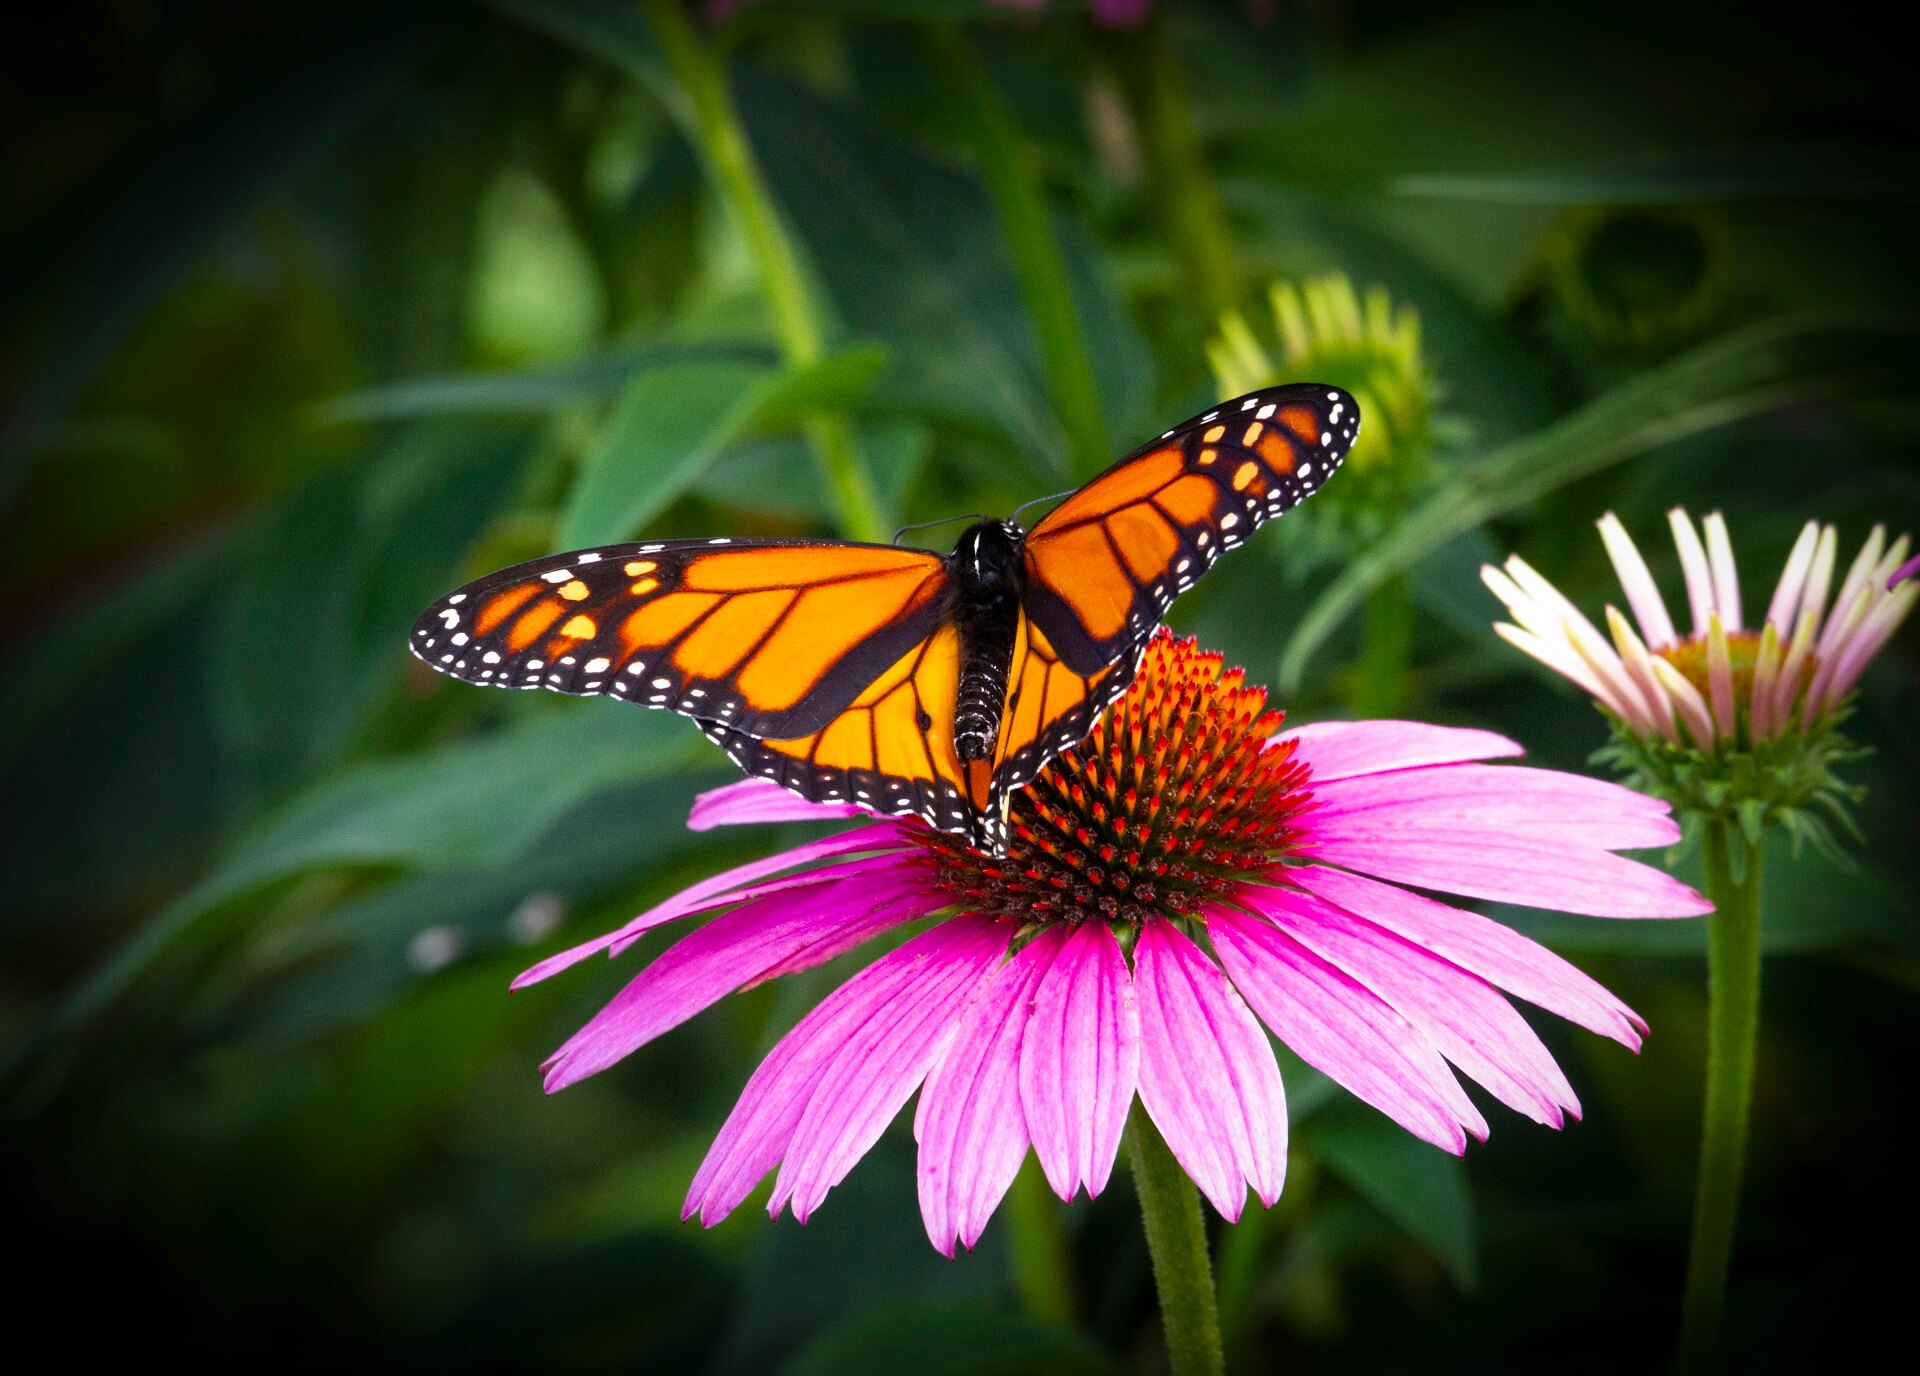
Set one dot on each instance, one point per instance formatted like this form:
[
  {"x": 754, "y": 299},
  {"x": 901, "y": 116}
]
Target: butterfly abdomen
[{"x": 985, "y": 608}]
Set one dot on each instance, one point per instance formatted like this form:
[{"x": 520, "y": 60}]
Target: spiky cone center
[{"x": 1175, "y": 797}]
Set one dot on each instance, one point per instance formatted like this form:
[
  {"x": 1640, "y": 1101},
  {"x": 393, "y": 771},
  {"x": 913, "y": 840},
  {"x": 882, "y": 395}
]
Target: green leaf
[
  {"x": 1798, "y": 172},
  {"x": 966, "y": 1339},
  {"x": 478, "y": 801},
  {"x": 674, "y": 422},
  {"x": 530, "y": 391},
  {"x": 1418, "y": 1186},
  {"x": 1746, "y": 374}
]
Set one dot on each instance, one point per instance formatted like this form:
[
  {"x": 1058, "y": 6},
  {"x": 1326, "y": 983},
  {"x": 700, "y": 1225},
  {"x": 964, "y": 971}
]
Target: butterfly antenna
[
  {"x": 1036, "y": 502},
  {"x": 928, "y": 525}
]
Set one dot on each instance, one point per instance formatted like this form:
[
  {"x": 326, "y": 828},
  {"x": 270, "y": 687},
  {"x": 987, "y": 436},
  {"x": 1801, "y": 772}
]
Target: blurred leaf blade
[{"x": 1418, "y": 1186}]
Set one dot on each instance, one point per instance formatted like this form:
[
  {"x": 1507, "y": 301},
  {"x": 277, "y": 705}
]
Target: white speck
[
  {"x": 722, "y": 540},
  {"x": 433, "y": 948},
  {"x": 538, "y": 915},
  {"x": 636, "y": 667},
  {"x": 663, "y": 683},
  {"x": 697, "y": 693},
  {"x": 451, "y": 618},
  {"x": 1264, "y": 412},
  {"x": 446, "y": 659},
  {"x": 1204, "y": 419},
  {"x": 490, "y": 657},
  {"x": 536, "y": 664},
  {"x": 1306, "y": 471},
  {"x": 592, "y": 684},
  {"x": 587, "y": 558},
  {"x": 456, "y": 599},
  {"x": 566, "y": 659},
  {"x": 558, "y": 575},
  {"x": 1333, "y": 396},
  {"x": 1334, "y": 414},
  {"x": 1232, "y": 519},
  {"x": 650, "y": 549},
  {"x": 1325, "y": 439},
  {"x": 598, "y": 666},
  {"x": 460, "y": 638},
  {"x": 1248, "y": 404}
]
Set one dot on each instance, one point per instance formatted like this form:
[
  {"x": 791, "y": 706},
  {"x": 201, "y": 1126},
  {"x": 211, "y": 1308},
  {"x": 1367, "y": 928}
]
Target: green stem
[
  {"x": 1177, "y": 1240},
  {"x": 1386, "y": 649},
  {"x": 1041, "y": 1269},
  {"x": 1733, "y": 1022},
  {"x": 1036, "y": 257},
  {"x": 714, "y": 127},
  {"x": 1182, "y": 185}
]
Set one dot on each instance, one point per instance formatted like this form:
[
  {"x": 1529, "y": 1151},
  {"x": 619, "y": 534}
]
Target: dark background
[{"x": 312, "y": 311}]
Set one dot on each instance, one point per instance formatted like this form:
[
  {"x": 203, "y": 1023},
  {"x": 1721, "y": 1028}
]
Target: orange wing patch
[
  {"x": 1049, "y": 708},
  {"x": 1104, "y": 565}
]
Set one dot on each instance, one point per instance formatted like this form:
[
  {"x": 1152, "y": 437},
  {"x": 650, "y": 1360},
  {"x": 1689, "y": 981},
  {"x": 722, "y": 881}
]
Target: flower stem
[
  {"x": 708, "y": 114},
  {"x": 1036, "y": 257},
  {"x": 1177, "y": 1240},
  {"x": 1182, "y": 184},
  {"x": 1385, "y": 649},
  {"x": 1733, "y": 1022},
  {"x": 1040, "y": 1266}
]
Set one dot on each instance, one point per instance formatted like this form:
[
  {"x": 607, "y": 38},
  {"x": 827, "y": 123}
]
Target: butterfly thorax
[{"x": 984, "y": 590}]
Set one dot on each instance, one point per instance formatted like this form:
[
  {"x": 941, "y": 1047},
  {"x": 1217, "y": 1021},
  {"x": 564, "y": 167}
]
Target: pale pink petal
[
  {"x": 876, "y": 1067},
  {"x": 1633, "y": 653},
  {"x": 1688, "y": 705},
  {"x": 1851, "y": 587},
  {"x": 1693, "y": 564},
  {"x": 1562, "y": 875},
  {"x": 717, "y": 891},
  {"x": 762, "y": 800},
  {"x": 1465, "y": 1018},
  {"x": 1910, "y": 569},
  {"x": 971, "y": 1131},
  {"x": 1343, "y": 1029},
  {"x": 1469, "y": 800},
  {"x": 1783, "y": 610},
  {"x": 733, "y": 949},
  {"x": 937, "y": 970},
  {"x": 1559, "y": 657},
  {"x": 1720, "y": 679},
  {"x": 1636, "y": 580},
  {"x": 1080, "y": 1062},
  {"x": 1480, "y": 946},
  {"x": 1726, "y": 582},
  {"x": 1874, "y": 633},
  {"x": 1207, "y": 1075},
  {"x": 1343, "y": 749}
]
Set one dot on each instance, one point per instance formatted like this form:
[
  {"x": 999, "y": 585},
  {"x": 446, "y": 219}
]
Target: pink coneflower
[
  {"x": 1186, "y": 874},
  {"x": 1724, "y": 684}
]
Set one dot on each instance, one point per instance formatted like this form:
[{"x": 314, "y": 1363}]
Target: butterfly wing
[
  {"x": 890, "y": 749},
  {"x": 775, "y": 638},
  {"x": 1103, "y": 566},
  {"x": 1050, "y": 707}
]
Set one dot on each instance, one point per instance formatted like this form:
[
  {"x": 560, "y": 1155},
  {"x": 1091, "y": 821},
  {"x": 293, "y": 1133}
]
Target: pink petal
[
  {"x": 1464, "y": 1017},
  {"x": 717, "y": 891},
  {"x": 1343, "y": 1029},
  {"x": 1207, "y": 1075},
  {"x": 761, "y": 800},
  {"x": 1470, "y": 800},
  {"x": 972, "y": 1133},
  {"x": 1343, "y": 749},
  {"x": 1480, "y": 946},
  {"x": 1080, "y": 1061},
  {"x": 888, "y": 1000},
  {"x": 729, "y": 951},
  {"x": 1535, "y": 874},
  {"x": 876, "y": 1067}
]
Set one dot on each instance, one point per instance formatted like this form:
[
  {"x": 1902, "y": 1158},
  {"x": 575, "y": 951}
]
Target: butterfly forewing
[
  {"x": 1104, "y": 565},
  {"x": 773, "y": 637}
]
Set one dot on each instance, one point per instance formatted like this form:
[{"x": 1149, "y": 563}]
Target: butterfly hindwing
[
  {"x": 1104, "y": 565},
  {"x": 773, "y": 637}
]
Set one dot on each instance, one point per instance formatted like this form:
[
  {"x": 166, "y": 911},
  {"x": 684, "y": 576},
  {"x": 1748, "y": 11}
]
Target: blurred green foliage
[{"x": 314, "y": 311}]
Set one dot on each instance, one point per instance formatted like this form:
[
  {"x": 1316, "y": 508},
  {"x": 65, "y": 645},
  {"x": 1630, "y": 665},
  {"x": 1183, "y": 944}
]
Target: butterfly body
[
  {"x": 985, "y": 587},
  {"x": 897, "y": 678}
]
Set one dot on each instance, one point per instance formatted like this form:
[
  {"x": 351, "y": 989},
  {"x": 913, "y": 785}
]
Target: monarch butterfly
[{"x": 892, "y": 677}]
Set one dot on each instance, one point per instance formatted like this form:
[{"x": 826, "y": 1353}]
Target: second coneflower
[{"x": 1186, "y": 874}]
